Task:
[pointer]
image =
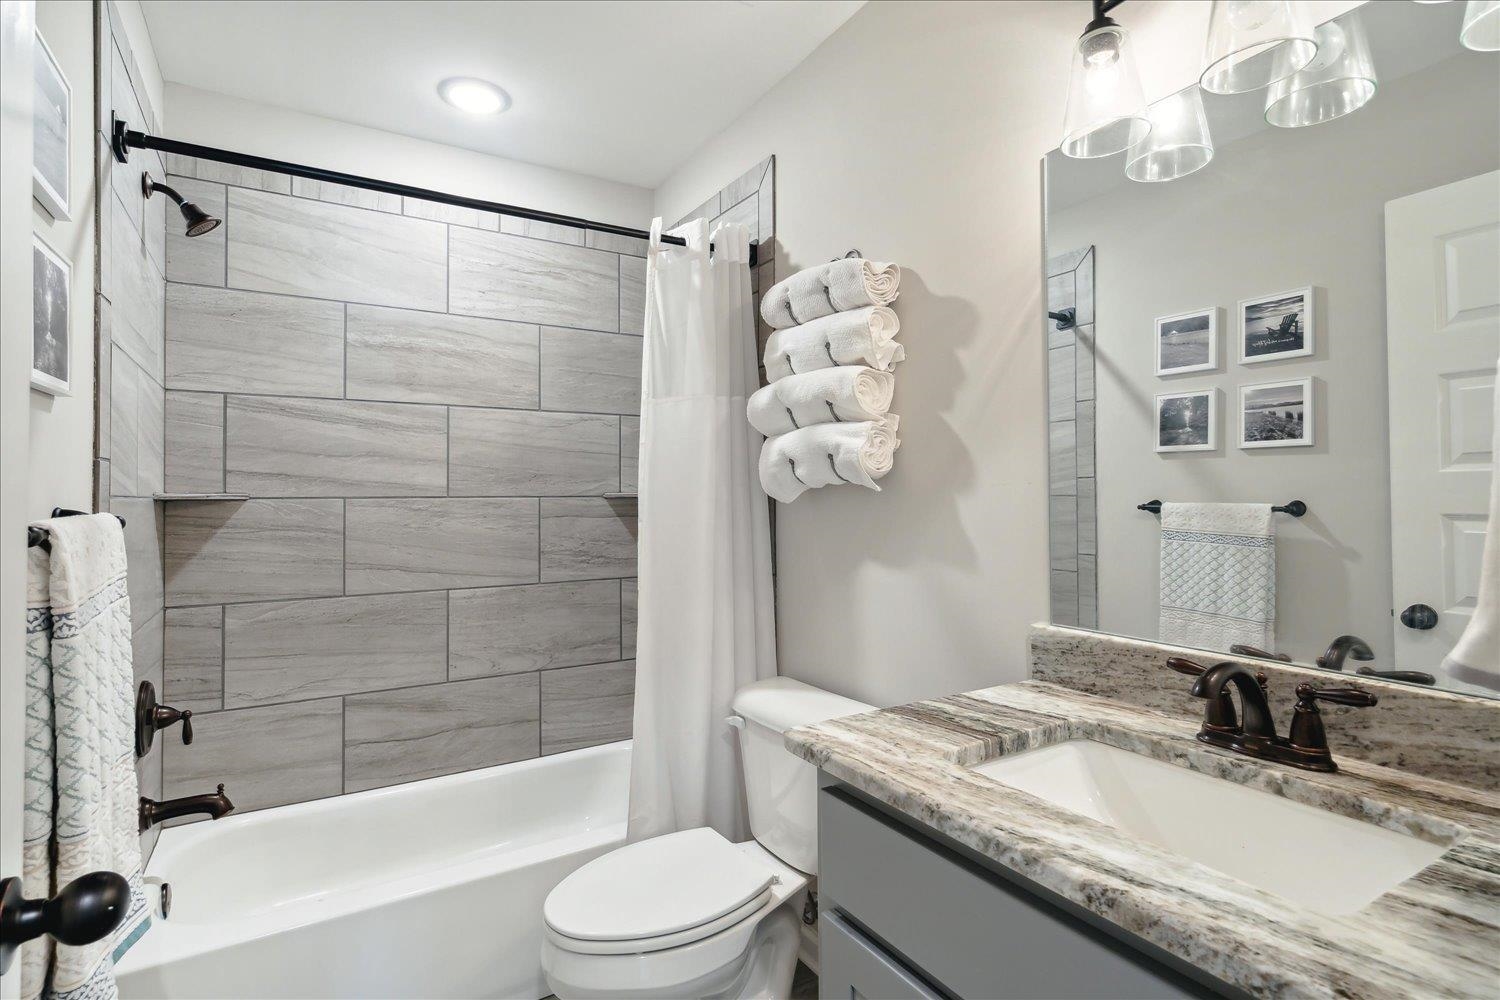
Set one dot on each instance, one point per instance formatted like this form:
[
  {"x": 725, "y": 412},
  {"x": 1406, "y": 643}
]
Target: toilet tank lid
[{"x": 781, "y": 703}]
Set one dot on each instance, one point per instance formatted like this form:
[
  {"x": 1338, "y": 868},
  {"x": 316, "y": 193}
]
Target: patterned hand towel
[
  {"x": 82, "y": 800},
  {"x": 1218, "y": 575}
]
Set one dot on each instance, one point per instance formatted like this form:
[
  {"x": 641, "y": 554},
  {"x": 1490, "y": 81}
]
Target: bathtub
[{"x": 429, "y": 889}]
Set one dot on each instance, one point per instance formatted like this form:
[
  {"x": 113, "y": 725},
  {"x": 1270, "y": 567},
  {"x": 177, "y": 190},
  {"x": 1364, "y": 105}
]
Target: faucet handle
[
  {"x": 1183, "y": 665},
  {"x": 187, "y": 729},
  {"x": 1356, "y": 697}
]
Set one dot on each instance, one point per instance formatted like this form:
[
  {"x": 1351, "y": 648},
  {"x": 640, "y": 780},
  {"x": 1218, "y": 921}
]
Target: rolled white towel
[
  {"x": 829, "y": 395},
  {"x": 857, "y": 337},
  {"x": 825, "y": 454},
  {"x": 850, "y": 283}
]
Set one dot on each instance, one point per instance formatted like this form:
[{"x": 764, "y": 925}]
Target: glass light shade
[
  {"x": 1339, "y": 80},
  {"x": 1253, "y": 43},
  {"x": 1106, "y": 105},
  {"x": 1178, "y": 143},
  {"x": 1481, "y": 30}
]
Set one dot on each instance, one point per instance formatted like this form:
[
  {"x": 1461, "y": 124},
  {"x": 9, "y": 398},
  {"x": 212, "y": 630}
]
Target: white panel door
[{"x": 1442, "y": 266}]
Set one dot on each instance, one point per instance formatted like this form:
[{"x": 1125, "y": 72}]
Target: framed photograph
[
  {"x": 51, "y": 279},
  {"x": 1188, "y": 342},
  {"x": 1188, "y": 421},
  {"x": 1277, "y": 326},
  {"x": 1277, "y": 414},
  {"x": 51, "y": 118}
]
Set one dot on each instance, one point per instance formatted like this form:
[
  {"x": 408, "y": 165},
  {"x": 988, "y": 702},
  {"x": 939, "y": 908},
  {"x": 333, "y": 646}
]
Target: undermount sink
[{"x": 1317, "y": 859}]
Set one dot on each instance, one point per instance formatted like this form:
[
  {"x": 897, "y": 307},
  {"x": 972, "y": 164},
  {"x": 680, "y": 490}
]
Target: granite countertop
[{"x": 1436, "y": 934}]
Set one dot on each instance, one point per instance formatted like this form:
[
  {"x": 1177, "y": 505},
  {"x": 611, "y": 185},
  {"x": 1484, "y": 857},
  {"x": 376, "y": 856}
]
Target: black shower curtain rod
[{"x": 124, "y": 139}]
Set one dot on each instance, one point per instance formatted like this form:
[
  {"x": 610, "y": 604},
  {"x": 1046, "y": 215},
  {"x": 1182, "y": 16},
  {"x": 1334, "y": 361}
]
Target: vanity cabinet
[{"x": 907, "y": 912}]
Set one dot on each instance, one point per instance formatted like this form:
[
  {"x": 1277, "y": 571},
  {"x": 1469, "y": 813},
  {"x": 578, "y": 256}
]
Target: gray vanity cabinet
[{"x": 905, "y": 912}]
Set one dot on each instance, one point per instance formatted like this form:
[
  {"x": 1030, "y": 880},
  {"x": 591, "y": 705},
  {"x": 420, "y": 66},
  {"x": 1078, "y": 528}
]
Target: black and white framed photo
[
  {"x": 1187, "y": 421},
  {"x": 51, "y": 121},
  {"x": 1276, "y": 326},
  {"x": 51, "y": 279},
  {"x": 1277, "y": 414},
  {"x": 1188, "y": 342}
]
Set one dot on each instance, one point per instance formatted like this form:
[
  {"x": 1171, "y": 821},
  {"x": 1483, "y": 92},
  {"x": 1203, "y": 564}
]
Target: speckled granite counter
[{"x": 1437, "y": 934}]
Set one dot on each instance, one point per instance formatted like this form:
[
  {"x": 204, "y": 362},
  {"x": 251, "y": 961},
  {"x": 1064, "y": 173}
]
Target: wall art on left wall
[
  {"x": 51, "y": 126},
  {"x": 51, "y": 281}
]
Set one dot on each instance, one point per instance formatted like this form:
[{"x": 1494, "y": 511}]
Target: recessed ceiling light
[{"x": 477, "y": 97}]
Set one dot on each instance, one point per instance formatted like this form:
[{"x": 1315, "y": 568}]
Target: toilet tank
[{"x": 782, "y": 790}]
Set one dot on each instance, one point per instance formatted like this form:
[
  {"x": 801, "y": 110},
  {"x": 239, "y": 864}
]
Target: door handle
[
  {"x": 1420, "y": 617},
  {"x": 86, "y": 910}
]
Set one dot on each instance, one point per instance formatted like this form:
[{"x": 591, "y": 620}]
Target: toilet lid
[{"x": 664, "y": 885}]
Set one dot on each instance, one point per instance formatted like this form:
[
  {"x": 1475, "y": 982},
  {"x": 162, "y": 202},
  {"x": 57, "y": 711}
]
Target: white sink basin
[{"x": 1317, "y": 859}]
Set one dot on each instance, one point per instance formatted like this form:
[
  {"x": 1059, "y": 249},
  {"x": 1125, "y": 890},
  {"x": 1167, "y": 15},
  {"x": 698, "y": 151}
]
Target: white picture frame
[
  {"x": 1186, "y": 421},
  {"x": 1187, "y": 342},
  {"x": 1279, "y": 406},
  {"x": 52, "y": 131},
  {"x": 51, "y": 315},
  {"x": 1276, "y": 326}
]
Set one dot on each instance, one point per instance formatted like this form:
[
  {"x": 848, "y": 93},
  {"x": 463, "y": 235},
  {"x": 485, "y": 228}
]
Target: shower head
[{"x": 198, "y": 221}]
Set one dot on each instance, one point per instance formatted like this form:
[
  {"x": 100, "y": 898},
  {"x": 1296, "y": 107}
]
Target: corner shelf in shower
[
  {"x": 166, "y": 497},
  {"x": 620, "y": 496}
]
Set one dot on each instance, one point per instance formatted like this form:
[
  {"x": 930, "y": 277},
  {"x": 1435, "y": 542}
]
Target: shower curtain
[{"x": 706, "y": 625}]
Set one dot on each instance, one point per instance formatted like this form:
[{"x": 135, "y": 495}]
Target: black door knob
[
  {"x": 1419, "y": 617},
  {"x": 84, "y": 911}
]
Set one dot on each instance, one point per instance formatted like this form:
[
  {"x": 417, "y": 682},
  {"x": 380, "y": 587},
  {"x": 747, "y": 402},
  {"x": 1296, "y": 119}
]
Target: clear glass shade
[
  {"x": 1178, "y": 143},
  {"x": 1106, "y": 105},
  {"x": 1339, "y": 80},
  {"x": 1481, "y": 30},
  {"x": 1253, "y": 43}
]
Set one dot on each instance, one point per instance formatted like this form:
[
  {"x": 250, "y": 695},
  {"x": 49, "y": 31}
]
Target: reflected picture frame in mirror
[{"x": 1188, "y": 342}]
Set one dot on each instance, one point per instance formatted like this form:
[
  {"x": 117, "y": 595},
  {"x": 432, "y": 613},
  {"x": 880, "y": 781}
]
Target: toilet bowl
[{"x": 691, "y": 914}]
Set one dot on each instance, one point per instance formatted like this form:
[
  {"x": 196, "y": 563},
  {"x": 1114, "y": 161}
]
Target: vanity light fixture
[
  {"x": 1106, "y": 105},
  {"x": 1254, "y": 43},
  {"x": 1481, "y": 30},
  {"x": 1340, "y": 79},
  {"x": 477, "y": 97},
  {"x": 1178, "y": 144}
]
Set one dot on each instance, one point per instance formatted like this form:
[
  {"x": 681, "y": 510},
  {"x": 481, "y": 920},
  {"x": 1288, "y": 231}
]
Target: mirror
[{"x": 1313, "y": 317}]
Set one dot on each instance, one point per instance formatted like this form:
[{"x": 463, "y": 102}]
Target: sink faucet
[
  {"x": 213, "y": 806},
  {"x": 1307, "y": 744},
  {"x": 1353, "y": 647}
]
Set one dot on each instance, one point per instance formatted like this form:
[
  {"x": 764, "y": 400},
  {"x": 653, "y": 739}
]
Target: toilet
[{"x": 691, "y": 914}]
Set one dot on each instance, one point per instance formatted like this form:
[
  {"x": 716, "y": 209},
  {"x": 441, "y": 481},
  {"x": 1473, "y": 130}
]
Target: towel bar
[
  {"x": 37, "y": 537},
  {"x": 1296, "y": 508}
]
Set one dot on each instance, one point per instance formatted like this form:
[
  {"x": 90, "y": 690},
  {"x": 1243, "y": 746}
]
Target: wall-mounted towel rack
[
  {"x": 37, "y": 537},
  {"x": 1296, "y": 508}
]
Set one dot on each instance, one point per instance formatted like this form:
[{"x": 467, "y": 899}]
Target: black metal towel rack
[
  {"x": 37, "y": 537},
  {"x": 124, "y": 139},
  {"x": 1296, "y": 508}
]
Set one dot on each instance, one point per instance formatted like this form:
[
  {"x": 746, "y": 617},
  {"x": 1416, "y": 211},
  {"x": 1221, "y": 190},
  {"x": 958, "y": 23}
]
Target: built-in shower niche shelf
[
  {"x": 199, "y": 496},
  {"x": 620, "y": 496}
]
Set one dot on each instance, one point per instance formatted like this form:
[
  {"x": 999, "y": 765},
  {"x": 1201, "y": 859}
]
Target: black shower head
[{"x": 198, "y": 221}]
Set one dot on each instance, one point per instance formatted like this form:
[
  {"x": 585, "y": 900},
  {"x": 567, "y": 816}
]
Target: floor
[{"x": 804, "y": 985}]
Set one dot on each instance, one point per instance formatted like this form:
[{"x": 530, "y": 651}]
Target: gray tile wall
[
  {"x": 425, "y": 406},
  {"x": 1073, "y": 528}
]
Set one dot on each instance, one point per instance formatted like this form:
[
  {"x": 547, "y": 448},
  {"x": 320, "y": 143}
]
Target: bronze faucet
[
  {"x": 1352, "y": 646},
  {"x": 1306, "y": 746},
  {"x": 213, "y": 806},
  {"x": 1240, "y": 649}
]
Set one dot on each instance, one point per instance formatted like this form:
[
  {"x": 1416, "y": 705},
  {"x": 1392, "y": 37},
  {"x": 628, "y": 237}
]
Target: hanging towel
[
  {"x": 1476, "y": 656},
  {"x": 82, "y": 801},
  {"x": 806, "y": 459},
  {"x": 849, "y": 283},
  {"x": 830, "y": 395},
  {"x": 857, "y": 337},
  {"x": 1218, "y": 575}
]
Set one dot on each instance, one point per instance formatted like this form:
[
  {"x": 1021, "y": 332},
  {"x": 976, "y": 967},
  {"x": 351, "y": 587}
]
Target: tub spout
[{"x": 212, "y": 806}]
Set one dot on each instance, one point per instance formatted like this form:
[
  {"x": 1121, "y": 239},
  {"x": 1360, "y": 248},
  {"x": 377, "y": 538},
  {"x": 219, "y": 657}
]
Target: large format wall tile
[
  {"x": 193, "y": 670},
  {"x": 295, "y": 650},
  {"x": 630, "y": 454},
  {"x": 420, "y": 357},
  {"x": 343, "y": 194},
  {"x": 587, "y": 539},
  {"x": 197, "y": 259},
  {"x": 509, "y": 453},
  {"x": 195, "y": 442},
  {"x": 508, "y": 630},
  {"x": 439, "y": 543},
  {"x": 228, "y": 173},
  {"x": 590, "y": 372},
  {"x": 453, "y": 215},
  {"x": 629, "y": 616},
  {"x": 422, "y": 732},
  {"x": 303, "y": 247},
  {"x": 557, "y": 233},
  {"x": 532, "y": 281},
  {"x": 253, "y": 550},
  {"x": 586, "y": 706},
  {"x": 143, "y": 556},
  {"x": 151, "y": 439},
  {"x": 134, "y": 295},
  {"x": 126, "y": 381},
  {"x": 265, "y": 757},
  {"x": 633, "y": 295},
  {"x": 223, "y": 340},
  {"x": 334, "y": 448}
]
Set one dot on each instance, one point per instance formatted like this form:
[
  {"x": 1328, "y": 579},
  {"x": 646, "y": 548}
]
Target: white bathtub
[{"x": 430, "y": 889}]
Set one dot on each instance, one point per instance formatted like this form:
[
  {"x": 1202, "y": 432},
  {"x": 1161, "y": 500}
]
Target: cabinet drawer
[{"x": 852, "y": 967}]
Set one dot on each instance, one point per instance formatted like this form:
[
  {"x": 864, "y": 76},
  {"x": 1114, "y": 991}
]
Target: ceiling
[{"x": 619, "y": 90}]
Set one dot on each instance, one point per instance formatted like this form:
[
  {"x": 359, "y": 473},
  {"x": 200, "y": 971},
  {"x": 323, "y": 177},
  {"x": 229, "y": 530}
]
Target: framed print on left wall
[
  {"x": 51, "y": 350},
  {"x": 51, "y": 127}
]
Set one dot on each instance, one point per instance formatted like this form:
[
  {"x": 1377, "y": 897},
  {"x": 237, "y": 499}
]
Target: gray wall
[
  {"x": 1274, "y": 211},
  {"x": 426, "y": 406},
  {"x": 1071, "y": 515}
]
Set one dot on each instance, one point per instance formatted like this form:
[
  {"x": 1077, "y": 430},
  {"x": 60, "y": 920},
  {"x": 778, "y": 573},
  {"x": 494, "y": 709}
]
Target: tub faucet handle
[{"x": 151, "y": 715}]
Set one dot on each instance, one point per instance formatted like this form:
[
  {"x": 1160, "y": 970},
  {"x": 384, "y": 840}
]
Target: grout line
[
  {"x": 399, "y": 593},
  {"x": 345, "y": 346},
  {"x": 223, "y": 655},
  {"x": 344, "y": 543},
  {"x": 391, "y": 402}
]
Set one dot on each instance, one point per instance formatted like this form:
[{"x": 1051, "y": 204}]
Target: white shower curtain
[{"x": 706, "y": 625}]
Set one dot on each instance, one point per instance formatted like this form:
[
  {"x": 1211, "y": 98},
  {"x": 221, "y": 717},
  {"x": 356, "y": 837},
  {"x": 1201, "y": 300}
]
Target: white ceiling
[{"x": 620, "y": 90}]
